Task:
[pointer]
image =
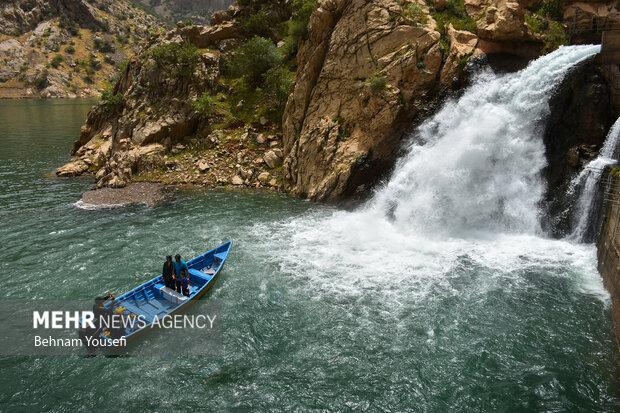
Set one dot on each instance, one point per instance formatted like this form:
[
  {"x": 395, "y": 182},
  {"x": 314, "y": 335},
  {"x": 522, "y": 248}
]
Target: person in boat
[
  {"x": 99, "y": 308},
  {"x": 179, "y": 265},
  {"x": 167, "y": 272},
  {"x": 184, "y": 283},
  {"x": 100, "y": 311}
]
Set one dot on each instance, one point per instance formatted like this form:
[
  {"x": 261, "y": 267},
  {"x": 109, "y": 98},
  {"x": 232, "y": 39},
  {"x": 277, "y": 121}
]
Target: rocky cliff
[
  {"x": 609, "y": 246},
  {"x": 364, "y": 72},
  {"x": 368, "y": 69},
  {"x": 581, "y": 114},
  {"x": 66, "y": 48},
  {"x": 179, "y": 114}
]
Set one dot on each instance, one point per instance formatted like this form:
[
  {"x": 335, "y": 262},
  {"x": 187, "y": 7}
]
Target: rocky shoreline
[
  {"x": 148, "y": 193},
  {"x": 249, "y": 157}
]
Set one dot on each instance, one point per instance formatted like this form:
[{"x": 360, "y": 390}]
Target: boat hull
[{"x": 152, "y": 299}]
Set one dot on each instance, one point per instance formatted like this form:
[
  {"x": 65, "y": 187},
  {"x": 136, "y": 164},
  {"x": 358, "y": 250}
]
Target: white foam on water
[
  {"x": 465, "y": 195},
  {"x": 91, "y": 207}
]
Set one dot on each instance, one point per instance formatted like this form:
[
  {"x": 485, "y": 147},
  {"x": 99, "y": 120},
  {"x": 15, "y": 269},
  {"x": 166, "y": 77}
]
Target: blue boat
[{"x": 154, "y": 300}]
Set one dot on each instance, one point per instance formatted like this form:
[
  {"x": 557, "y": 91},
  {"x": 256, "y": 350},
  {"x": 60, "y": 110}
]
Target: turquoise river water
[{"x": 321, "y": 310}]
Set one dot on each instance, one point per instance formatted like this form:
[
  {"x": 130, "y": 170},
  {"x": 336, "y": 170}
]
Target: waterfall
[
  {"x": 463, "y": 202},
  {"x": 586, "y": 183},
  {"x": 475, "y": 166}
]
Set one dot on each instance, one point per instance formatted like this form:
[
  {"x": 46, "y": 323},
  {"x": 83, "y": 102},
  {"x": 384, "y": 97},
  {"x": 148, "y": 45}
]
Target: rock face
[
  {"x": 150, "y": 125},
  {"x": 609, "y": 250},
  {"x": 68, "y": 48},
  {"x": 367, "y": 68},
  {"x": 363, "y": 71},
  {"x": 586, "y": 19},
  {"x": 580, "y": 117},
  {"x": 366, "y": 71},
  {"x": 462, "y": 45},
  {"x": 501, "y": 27}
]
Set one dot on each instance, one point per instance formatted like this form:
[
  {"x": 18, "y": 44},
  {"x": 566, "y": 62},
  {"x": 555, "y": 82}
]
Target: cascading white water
[
  {"x": 464, "y": 200},
  {"x": 467, "y": 191},
  {"x": 476, "y": 164},
  {"x": 588, "y": 179}
]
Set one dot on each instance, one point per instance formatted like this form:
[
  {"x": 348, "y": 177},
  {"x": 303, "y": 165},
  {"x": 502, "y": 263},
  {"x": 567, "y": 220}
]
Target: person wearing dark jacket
[
  {"x": 167, "y": 272},
  {"x": 100, "y": 311}
]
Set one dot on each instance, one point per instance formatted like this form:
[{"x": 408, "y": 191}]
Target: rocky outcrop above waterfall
[
  {"x": 585, "y": 20},
  {"x": 66, "y": 48},
  {"x": 178, "y": 113}
]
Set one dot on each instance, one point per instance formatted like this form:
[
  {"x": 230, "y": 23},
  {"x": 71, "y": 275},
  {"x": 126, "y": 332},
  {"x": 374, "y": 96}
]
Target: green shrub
[
  {"x": 254, "y": 59},
  {"x": 203, "y": 105},
  {"x": 93, "y": 62},
  {"x": 555, "y": 37},
  {"x": 416, "y": 13},
  {"x": 56, "y": 60},
  {"x": 551, "y": 9},
  {"x": 258, "y": 25},
  {"x": 103, "y": 45},
  {"x": 454, "y": 13},
  {"x": 70, "y": 49},
  {"x": 298, "y": 30},
  {"x": 378, "y": 84},
  {"x": 181, "y": 59},
  {"x": 277, "y": 83},
  {"x": 187, "y": 58},
  {"x": 298, "y": 27},
  {"x": 553, "y": 32},
  {"x": 302, "y": 10},
  {"x": 69, "y": 25},
  {"x": 164, "y": 54},
  {"x": 122, "y": 38},
  {"x": 120, "y": 68},
  {"x": 536, "y": 23},
  {"x": 41, "y": 82},
  {"x": 113, "y": 102}
]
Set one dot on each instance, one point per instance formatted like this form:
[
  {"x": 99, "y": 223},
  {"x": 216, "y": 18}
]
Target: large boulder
[
  {"x": 73, "y": 168},
  {"x": 462, "y": 45},
  {"x": 272, "y": 159},
  {"x": 11, "y": 48}
]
